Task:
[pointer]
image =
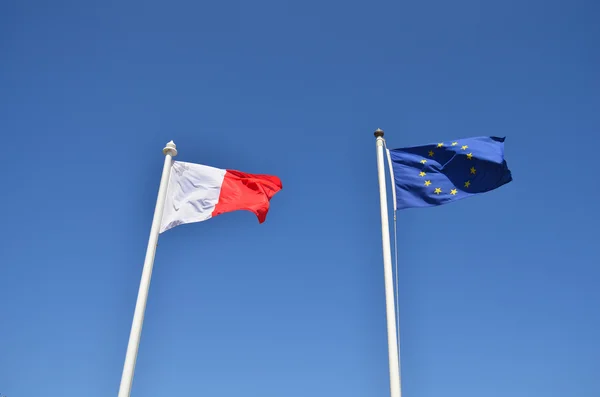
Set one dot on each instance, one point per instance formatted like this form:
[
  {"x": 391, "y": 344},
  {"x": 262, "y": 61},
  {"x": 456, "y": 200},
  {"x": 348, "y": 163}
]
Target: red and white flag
[{"x": 198, "y": 192}]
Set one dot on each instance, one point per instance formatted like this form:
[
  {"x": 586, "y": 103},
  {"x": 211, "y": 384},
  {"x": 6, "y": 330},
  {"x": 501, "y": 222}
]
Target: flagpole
[
  {"x": 169, "y": 151},
  {"x": 394, "y": 361}
]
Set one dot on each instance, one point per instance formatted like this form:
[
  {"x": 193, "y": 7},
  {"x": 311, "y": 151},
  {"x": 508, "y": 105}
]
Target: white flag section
[
  {"x": 192, "y": 195},
  {"x": 198, "y": 192}
]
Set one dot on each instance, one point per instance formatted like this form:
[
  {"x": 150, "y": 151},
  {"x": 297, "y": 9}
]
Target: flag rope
[{"x": 397, "y": 290}]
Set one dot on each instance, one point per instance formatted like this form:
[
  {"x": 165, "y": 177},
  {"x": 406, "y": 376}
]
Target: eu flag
[{"x": 440, "y": 173}]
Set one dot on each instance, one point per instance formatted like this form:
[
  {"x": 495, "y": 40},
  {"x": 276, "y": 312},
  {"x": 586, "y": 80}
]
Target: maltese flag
[{"x": 198, "y": 192}]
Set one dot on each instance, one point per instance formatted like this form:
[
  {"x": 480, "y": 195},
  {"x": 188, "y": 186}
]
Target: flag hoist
[
  {"x": 191, "y": 193},
  {"x": 430, "y": 175}
]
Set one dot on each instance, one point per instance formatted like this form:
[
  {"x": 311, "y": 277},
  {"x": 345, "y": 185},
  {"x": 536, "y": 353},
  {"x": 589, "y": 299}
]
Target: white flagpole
[
  {"x": 387, "y": 267},
  {"x": 169, "y": 151}
]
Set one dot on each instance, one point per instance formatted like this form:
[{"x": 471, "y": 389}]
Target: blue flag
[{"x": 440, "y": 173}]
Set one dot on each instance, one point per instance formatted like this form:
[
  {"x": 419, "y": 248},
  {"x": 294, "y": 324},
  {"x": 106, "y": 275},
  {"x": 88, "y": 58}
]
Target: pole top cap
[
  {"x": 378, "y": 133},
  {"x": 170, "y": 149}
]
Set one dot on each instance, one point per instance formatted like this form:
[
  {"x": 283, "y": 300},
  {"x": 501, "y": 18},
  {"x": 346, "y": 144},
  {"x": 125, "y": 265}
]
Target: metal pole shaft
[
  {"x": 170, "y": 151},
  {"x": 388, "y": 275}
]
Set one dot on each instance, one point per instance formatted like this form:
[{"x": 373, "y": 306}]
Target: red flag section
[{"x": 244, "y": 191}]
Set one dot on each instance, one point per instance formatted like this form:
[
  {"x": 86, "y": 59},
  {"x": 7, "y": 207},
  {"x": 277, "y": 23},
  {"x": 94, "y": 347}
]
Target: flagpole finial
[
  {"x": 378, "y": 133},
  {"x": 170, "y": 149}
]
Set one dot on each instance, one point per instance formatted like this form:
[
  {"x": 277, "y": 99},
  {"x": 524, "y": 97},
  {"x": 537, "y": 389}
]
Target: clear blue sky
[{"x": 499, "y": 293}]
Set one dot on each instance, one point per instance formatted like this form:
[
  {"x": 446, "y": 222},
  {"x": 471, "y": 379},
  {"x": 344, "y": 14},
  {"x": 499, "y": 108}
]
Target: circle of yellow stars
[{"x": 431, "y": 153}]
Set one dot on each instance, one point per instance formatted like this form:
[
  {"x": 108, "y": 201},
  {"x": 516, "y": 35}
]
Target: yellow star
[
  {"x": 470, "y": 156},
  {"x": 454, "y": 143},
  {"x": 437, "y": 190},
  {"x": 467, "y": 183},
  {"x": 431, "y": 153},
  {"x": 423, "y": 161},
  {"x": 453, "y": 191},
  {"x": 421, "y": 173},
  {"x": 440, "y": 144},
  {"x": 464, "y": 147},
  {"x": 473, "y": 170},
  {"x": 427, "y": 183}
]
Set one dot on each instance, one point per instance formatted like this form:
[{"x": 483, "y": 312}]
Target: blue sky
[{"x": 498, "y": 293}]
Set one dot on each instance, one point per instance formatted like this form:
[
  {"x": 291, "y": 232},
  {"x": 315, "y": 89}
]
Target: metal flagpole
[
  {"x": 169, "y": 151},
  {"x": 387, "y": 267}
]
